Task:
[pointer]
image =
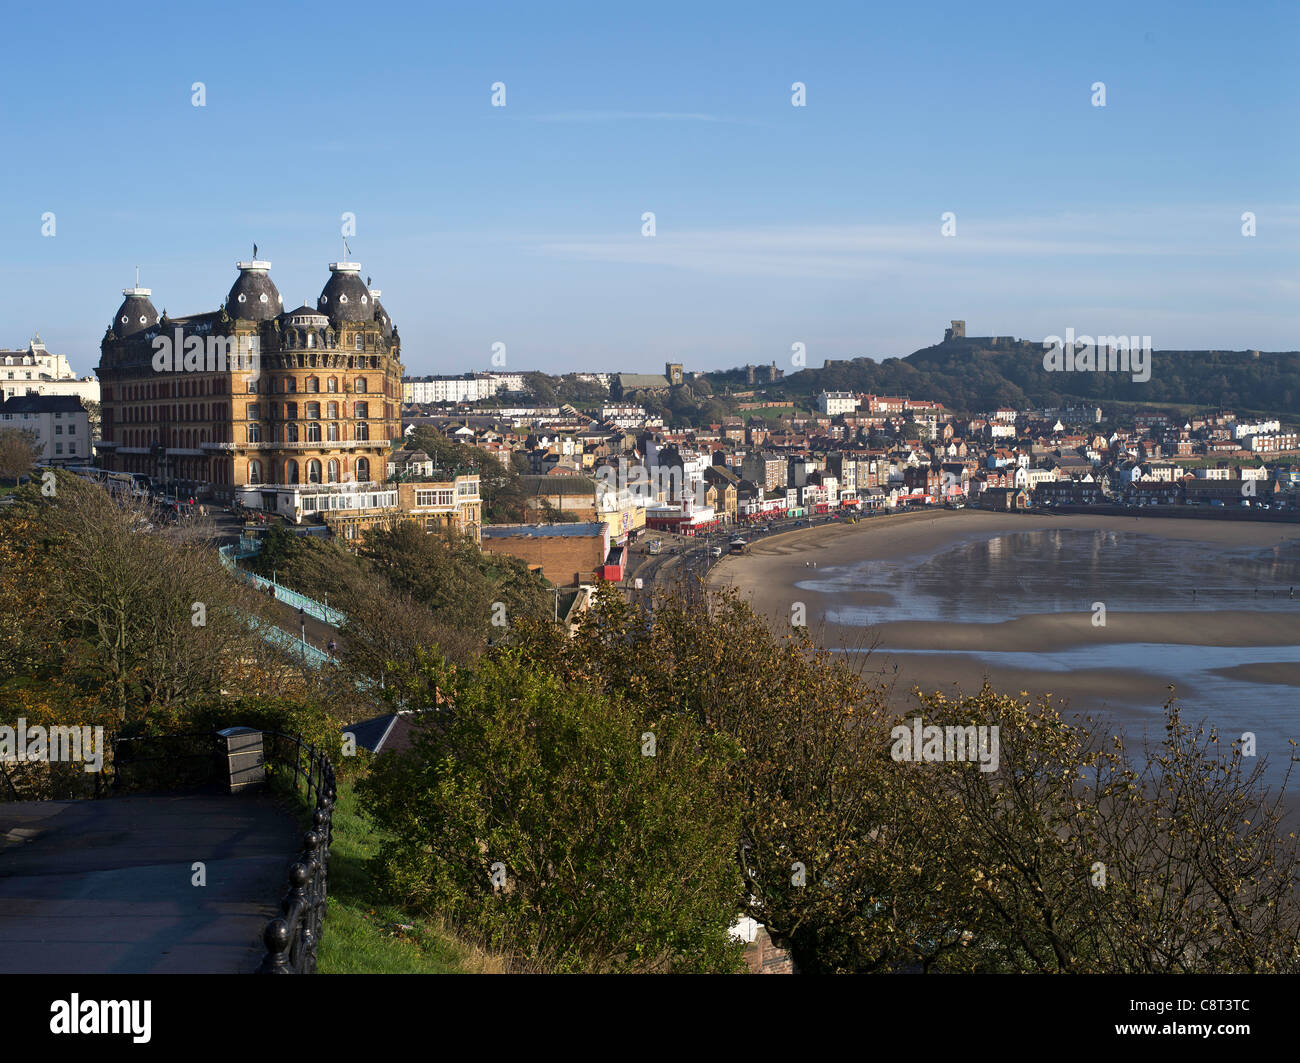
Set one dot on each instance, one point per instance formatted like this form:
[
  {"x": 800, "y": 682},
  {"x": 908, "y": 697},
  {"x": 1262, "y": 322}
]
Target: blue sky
[{"x": 774, "y": 224}]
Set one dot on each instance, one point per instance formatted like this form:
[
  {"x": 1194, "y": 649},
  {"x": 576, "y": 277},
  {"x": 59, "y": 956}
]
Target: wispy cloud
[{"x": 859, "y": 251}]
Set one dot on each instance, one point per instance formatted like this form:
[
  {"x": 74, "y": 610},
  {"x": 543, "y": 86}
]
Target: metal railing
[
  {"x": 196, "y": 760},
  {"x": 292, "y": 938},
  {"x": 317, "y": 610},
  {"x": 166, "y": 762},
  {"x": 292, "y": 644}
]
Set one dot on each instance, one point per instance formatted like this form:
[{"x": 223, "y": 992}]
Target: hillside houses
[{"x": 626, "y": 470}]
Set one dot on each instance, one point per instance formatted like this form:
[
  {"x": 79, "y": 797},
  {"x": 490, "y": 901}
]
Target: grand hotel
[{"x": 294, "y": 415}]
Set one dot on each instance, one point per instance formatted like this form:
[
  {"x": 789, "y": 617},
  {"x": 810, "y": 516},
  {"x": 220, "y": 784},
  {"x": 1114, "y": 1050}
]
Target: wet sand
[
  {"x": 768, "y": 574},
  {"x": 1283, "y": 673}
]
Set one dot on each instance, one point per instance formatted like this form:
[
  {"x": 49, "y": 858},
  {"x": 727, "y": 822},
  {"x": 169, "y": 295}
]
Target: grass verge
[{"x": 362, "y": 937}]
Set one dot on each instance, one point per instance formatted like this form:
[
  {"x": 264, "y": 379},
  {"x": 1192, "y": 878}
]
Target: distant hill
[{"x": 966, "y": 375}]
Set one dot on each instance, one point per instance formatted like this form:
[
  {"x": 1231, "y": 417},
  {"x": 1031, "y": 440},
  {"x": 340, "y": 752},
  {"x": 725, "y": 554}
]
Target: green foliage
[
  {"x": 503, "y": 500},
  {"x": 691, "y": 405},
  {"x": 404, "y": 589},
  {"x": 150, "y": 620},
  {"x": 614, "y": 861},
  {"x": 365, "y": 937},
  {"x": 857, "y": 862},
  {"x": 968, "y": 378},
  {"x": 295, "y": 717}
]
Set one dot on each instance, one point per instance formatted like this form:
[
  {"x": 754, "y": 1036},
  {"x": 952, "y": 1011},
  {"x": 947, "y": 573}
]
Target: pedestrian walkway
[{"x": 101, "y": 887}]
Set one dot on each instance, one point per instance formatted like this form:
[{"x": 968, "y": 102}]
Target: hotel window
[
  {"x": 332, "y": 411},
  {"x": 254, "y": 472},
  {"x": 332, "y": 433},
  {"x": 445, "y": 498},
  {"x": 313, "y": 411},
  {"x": 363, "y": 409},
  {"x": 291, "y": 433},
  {"x": 332, "y": 384},
  {"x": 254, "y": 432},
  {"x": 313, "y": 433},
  {"x": 333, "y": 470},
  {"x": 313, "y": 384},
  {"x": 58, "y": 448},
  {"x": 290, "y": 411},
  {"x": 252, "y": 387},
  {"x": 363, "y": 431},
  {"x": 311, "y": 339},
  {"x": 363, "y": 470},
  {"x": 313, "y": 471},
  {"x": 360, "y": 342},
  {"x": 361, "y": 385},
  {"x": 252, "y": 412}
]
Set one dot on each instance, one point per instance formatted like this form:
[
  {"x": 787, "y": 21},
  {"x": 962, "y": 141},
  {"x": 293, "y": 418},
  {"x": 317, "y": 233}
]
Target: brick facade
[
  {"x": 565, "y": 560},
  {"x": 763, "y": 957}
]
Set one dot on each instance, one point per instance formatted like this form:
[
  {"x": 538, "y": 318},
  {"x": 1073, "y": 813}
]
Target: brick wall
[
  {"x": 565, "y": 560},
  {"x": 762, "y": 957}
]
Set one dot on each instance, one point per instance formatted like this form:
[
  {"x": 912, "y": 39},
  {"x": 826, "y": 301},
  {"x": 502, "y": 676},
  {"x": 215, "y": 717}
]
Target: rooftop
[{"x": 543, "y": 531}]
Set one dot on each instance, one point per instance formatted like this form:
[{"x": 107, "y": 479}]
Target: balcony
[
  {"x": 369, "y": 487},
  {"x": 323, "y": 444}
]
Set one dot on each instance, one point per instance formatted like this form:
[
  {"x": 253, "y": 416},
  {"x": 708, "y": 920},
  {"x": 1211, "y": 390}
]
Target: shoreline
[{"x": 943, "y": 653}]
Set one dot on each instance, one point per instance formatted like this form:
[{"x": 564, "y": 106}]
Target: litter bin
[{"x": 245, "y": 758}]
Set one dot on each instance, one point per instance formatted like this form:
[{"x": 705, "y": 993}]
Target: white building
[
  {"x": 35, "y": 371},
  {"x": 833, "y": 403},
  {"x": 1220, "y": 472},
  {"x": 1029, "y": 478},
  {"x": 59, "y": 423},
  {"x": 1258, "y": 428},
  {"x": 624, "y": 416},
  {"x": 508, "y": 382},
  {"x": 471, "y": 387},
  {"x": 1271, "y": 443}
]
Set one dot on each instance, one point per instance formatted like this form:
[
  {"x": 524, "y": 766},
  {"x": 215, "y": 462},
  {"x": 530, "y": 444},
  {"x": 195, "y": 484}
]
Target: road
[
  {"x": 106, "y": 887},
  {"x": 686, "y": 557}
]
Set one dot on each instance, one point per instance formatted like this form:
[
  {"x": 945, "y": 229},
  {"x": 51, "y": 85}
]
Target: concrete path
[{"x": 105, "y": 886}]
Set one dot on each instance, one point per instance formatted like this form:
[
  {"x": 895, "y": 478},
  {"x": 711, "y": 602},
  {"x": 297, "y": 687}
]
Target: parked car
[{"x": 715, "y": 551}]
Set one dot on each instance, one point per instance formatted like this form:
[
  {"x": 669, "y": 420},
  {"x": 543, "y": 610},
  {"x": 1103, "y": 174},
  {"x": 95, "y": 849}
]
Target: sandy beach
[{"x": 767, "y": 577}]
